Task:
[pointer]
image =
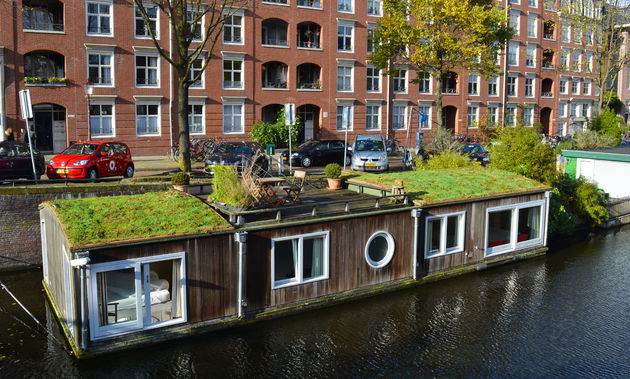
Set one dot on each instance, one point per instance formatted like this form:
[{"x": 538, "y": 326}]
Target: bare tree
[{"x": 191, "y": 44}]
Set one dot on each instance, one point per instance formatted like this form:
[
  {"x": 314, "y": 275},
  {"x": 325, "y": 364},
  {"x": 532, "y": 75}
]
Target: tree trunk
[
  {"x": 438, "y": 101},
  {"x": 182, "y": 122}
]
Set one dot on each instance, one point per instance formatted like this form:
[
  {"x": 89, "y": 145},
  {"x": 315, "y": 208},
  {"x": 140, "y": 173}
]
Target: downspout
[
  {"x": 547, "y": 203},
  {"x": 241, "y": 238},
  {"x": 81, "y": 262},
  {"x": 415, "y": 213},
  {"x": 387, "y": 101},
  {"x": 170, "y": 86},
  {"x": 505, "y": 65},
  {"x": 3, "y": 117}
]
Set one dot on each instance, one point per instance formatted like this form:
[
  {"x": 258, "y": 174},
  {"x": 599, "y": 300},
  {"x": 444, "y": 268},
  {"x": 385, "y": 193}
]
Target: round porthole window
[{"x": 379, "y": 249}]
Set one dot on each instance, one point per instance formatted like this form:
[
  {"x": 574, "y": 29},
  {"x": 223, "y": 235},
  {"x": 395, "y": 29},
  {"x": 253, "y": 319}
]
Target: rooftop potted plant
[{"x": 333, "y": 174}]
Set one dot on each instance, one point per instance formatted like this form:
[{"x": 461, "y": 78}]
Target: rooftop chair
[{"x": 295, "y": 187}]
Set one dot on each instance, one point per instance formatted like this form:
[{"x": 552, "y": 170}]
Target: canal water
[{"x": 563, "y": 315}]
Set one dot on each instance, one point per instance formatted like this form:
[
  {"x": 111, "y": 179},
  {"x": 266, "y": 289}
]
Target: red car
[{"x": 91, "y": 160}]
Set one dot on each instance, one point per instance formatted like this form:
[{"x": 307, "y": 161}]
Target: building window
[
  {"x": 370, "y": 40},
  {"x": 141, "y": 29},
  {"x": 564, "y": 59},
  {"x": 515, "y": 21},
  {"x": 373, "y": 79},
  {"x": 530, "y": 59},
  {"x": 424, "y": 116},
  {"x": 513, "y": 227},
  {"x": 528, "y": 116},
  {"x": 510, "y": 115},
  {"x": 233, "y": 29},
  {"x": 99, "y": 18},
  {"x": 194, "y": 71},
  {"x": 473, "y": 84},
  {"x": 575, "y": 87},
  {"x": 309, "y": 4},
  {"x": 493, "y": 85},
  {"x": 196, "y": 30},
  {"x": 102, "y": 120},
  {"x": 345, "y": 116},
  {"x": 562, "y": 129},
  {"x": 400, "y": 81},
  {"x": 588, "y": 62},
  {"x": 233, "y": 117},
  {"x": 379, "y": 249},
  {"x": 532, "y": 25},
  {"x": 147, "y": 119},
  {"x": 100, "y": 68},
  {"x": 532, "y": 3},
  {"x": 195, "y": 118},
  {"x": 232, "y": 72},
  {"x": 492, "y": 114},
  {"x": 562, "y": 110},
  {"x": 344, "y": 37},
  {"x": 573, "y": 110},
  {"x": 577, "y": 57},
  {"x": 147, "y": 70},
  {"x": 513, "y": 53},
  {"x": 564, "y": 89},
  {"x": 586, "y": 87},
  {"x": 424, "y": 82},
  {"x": 299, "y": 259},
  {"x": 585, "y": 110},
  {"x": 344, "y": 77},
  {"x": 120, "y": 302},
  {"x": 345, "y": 6},
  {"x": 444, "y": 234},
  {"x": 511, "y": 85},
  {"x": 399, "y": 115},
  {"x": 566, "y": 31},
  {"x": 372, "y": 117},
  {"x": 473, "y": 116},
  {"x": 529, "y": 87},
  {"x": 374, "y": 8}
]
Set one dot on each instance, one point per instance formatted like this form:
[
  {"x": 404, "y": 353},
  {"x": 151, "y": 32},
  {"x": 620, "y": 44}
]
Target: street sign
[
  {"x": 289, "y": 114},
  {"x": 25, "y": 104}
]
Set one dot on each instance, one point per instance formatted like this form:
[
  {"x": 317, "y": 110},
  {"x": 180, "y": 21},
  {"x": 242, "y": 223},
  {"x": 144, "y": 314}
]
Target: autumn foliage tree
[{"x": 439, "y": 36}]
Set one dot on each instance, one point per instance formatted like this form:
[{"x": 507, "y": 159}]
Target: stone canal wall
[{"x": 20, "y": 238}]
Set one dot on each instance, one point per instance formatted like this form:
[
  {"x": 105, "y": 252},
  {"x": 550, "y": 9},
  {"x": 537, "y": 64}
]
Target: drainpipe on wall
[
  {"x": 388, "y": 98},
  {"x": 81, "y": 261},
  {"x": 415, "y": 213},
  {"x": 505, "y": 66},
  {"x": 170, "y": 86},
  {"x": 547, "y": 203},
  {"x": 241, "y": 238},
  {"x": 3, "y": 118}
]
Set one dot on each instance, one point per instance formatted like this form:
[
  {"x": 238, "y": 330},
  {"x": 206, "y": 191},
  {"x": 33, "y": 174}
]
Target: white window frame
[
  {"x": 375, "y": 9},
  {"x": 191, "y": 11},
  {"x": 566, "y": 86},
  {"x": 101, "y": 102},
  {"x": 399, "y": 80},
  {"x": 147, "y": 6},
  {"x": 374, "y": 79},
  {"x": 158, "y": 118},
  {"x": 513, "y": 53},
  {"x": 586, "y": 87},
  {"x": 192, "y": 103},
  {"x": 109, "y": 53},
  {"x": 100, "y": 332},
  {"x": 576, "y": 63},
  {"x": 514, "y": 244},
  {"x": 562, "y": 128},
  {"x": 562, "y": 109},
  {"x": 232, "y": 103},
  {"x": 147, "y": 54},
  {"x": 493, "y": 80},
  {"x": 493, "y": 117},
  {"x": 351, "y": 10},
  {"x": 391, "y": 249},
  {"x": 241, "y": 28},
  {"x": 472, "y": 110},
  {"x": 344, "y": 104},
  {"x": 510, "y": 112},
  {"x": 532, "y": 25},
  {"x": 530, "y": 55},
  {"x": 109, "y": 3},
  {"x": 532, "y": 85},
  {"x": 473, "y": 84},
  {"x": 428, "y": 105},
  {"x": 346, "y": 24},
  {"x": 515, "y": 21},
  {"x": 565, "y": 32},
  {"x": 461, "y": 223},
  {"x": 564, "y": 59},
  {"x": 426, "y": 77},
  {"x": 528, "y": 116},
  {"x": 193, "y": 72},
  {"x": 371, "y": 27},
  {"x": 233, "y": 58},
  {"x": 532, "y": 3},
  {"x": 513, "y": 93},
  {"x": 345, "y": 65},
  {"x": 575, "y": 87},
  {"x": 299, "y": 263},
  {"x": 371, "y": 116},
  {"x": 397, "y": 105}
]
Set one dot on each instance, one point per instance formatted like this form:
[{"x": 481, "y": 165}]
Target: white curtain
[{"x": 318, "y": 257}]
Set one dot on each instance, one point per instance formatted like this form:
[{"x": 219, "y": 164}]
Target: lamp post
[{"x": 87, "y": 88}]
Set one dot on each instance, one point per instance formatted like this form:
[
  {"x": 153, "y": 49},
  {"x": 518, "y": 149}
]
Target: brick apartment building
[{"x": 96, "y": 55}]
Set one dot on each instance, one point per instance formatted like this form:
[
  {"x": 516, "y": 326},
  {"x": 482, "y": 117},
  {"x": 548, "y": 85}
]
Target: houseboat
[{"x": 121, "y": 272}]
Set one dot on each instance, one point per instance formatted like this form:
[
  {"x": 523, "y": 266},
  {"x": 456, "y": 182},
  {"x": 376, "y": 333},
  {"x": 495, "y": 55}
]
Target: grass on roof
[
  {"x": 101, "y": 220},
  {"x": 438, "y": 186}
]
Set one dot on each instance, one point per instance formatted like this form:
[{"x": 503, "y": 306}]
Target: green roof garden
[
  {"x": 428, "y": 187},
  {"x": 106, "y": 220}
]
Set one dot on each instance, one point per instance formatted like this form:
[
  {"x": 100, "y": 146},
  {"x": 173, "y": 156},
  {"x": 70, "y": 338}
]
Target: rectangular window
[
  {"x": 562, "y": 129},
  {"x": 344, "y": 37},
  {"x": 515, "y": 21},
  {"x": 529, "y": 87},
  {"x": 141, "y": 28},
  {"x": 530, "y": 59},
  {"x": 577, "y": 57},
  {"x": 510, "y": 115},
  {"x": 100, "y": 68},
  {"x": 513, "y": 227},
  {"x": 136, "y": 294},
  {"x": 513, "y": 53},
  {"x": 233, "y": 29},
  {"x": 233, "y": 117},
  {"x": 146, "y": 70},
  {"x": 511, "y": 85},
  {"x": 585, "y": 110},
  {"x": 424, "y": 82},
  {"x": 528, "y": 116},
  {"x": 344, "y": 77},
  {"x": 299, "y": 259},
  {"x": 564, "y": 59},
  {"x": 194, "y": 71},
  {"x": 473, "y": 84},
  {"x": 196, "y": 30},
  {"x": 566, "y": 31},
  {"x": 147, "y": 119},
  {"x": 345, "y": 6},
  {"x": 573, "y": 110},
  {"x": 444, "y": 234},
  {"x": 424, "y": 116},
  {"x": 575, "y": 87},
  {"x": 309, "y": 4},
  {"x": 102, "y": 120},
  {"x": 99, "y": 18},
  {"x": 373, "y": 79},
  {"x": 400, "y": 81},
  {"x": 588, "y": 61},
  {"x": 562, "y": 110},
  {"x": 492, "y": 114},
  {"x": 399, "y": 116},
  {"x": 345, "y": 116},
  {"x": 374, "y": 8},
  {"x": 532, "y": 3},
  {"x": 370, "y": 39},
  {"x": 493, "y": 85},
  {"x": 232, "y": 72},
  {"x": 195, "y": 118},
  {"x": 531, "y": 25},
  {"x": 473, "y": 116},
  {"x": 372, "y": 117},
  {"x": 564, "y": 89},
  {"x": 586, "y": 87}
]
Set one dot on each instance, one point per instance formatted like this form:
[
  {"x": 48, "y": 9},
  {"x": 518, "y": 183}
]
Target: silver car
[{"x": 369, "y": 153}]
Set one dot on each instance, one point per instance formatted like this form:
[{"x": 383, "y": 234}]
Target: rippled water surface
[{"x": 563, "y": 315}]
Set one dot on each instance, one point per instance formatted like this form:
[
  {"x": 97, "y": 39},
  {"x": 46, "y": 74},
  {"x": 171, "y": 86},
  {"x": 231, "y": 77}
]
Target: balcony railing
[
  {"x": 312, "y": 85},
  {"x": 309, "y": 44},
  {"x": 275, "y": 1},
  {"x": 450, "y": 91},
  {"x": 547, "y": 65},
  {"x": 546, "y": 95},
  {"x": 275, "y": 42},
  {"x": 548, "y": 36},
  {"x": 45, "y": 26},
  {"x": 274, "y": 84}
]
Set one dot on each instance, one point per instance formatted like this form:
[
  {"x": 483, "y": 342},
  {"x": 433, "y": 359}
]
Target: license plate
[
  {"x": 62, "y": 171},
  {"x": 370, "y": 165}
]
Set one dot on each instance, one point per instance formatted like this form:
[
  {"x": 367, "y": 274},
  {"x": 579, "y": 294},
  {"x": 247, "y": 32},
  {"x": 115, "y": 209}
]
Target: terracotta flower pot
[{"x": 334, "y": 184}]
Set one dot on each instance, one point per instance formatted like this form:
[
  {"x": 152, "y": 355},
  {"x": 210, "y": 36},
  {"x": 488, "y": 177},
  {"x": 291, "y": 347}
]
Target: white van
[{"x": 369, "y": 153}]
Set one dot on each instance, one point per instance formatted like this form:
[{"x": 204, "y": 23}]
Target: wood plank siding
[
  {"x": 348, "y": 269},
  {"x": 211, "y": 271},
  {"x": 474, "y": 233}
]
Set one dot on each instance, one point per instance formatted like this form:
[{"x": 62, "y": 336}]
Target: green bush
[
  {"x": 333, "y": 171},
  {"x": 445, "y": 159},
  {"x": 276, "y": 133},
  {"x": 591, "y": 139},
  {"x": 228, "y": 187},
  {"x": 609, "y": 124},
  {"x": 442, "y": 140},
  {"x": 580, "y": 197},
  {"x": 180, "y": 179}
]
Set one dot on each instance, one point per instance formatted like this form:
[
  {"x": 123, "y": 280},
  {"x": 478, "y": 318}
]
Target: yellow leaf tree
[{"x": 439, "y": 36}]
